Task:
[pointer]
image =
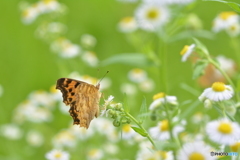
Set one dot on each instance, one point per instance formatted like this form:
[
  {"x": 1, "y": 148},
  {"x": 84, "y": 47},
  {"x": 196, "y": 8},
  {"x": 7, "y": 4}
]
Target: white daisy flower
[
  {"x": 29, "y": 14},
  {"x": 161, "y": 98},
  {"x": 46, "y": 6},
  {"x": 223, "y": 131},
  {"x": 64, "y": 138},
  {"x": 194, "y": 151},
  {"x": 95, "y": 154},
  {"x": 218, "y": 92},
  {"x": 224, "y": 20},
  {"x": 127, "y": 25},
  {"x": 81, "y": 132},
  {"x": 233, "y": 30},
  {"x": 57, "y": 155},
  {"x": 235, "y": 147},
  {"x": 228, "y": 65},
  {"x": 127, "y": 132},
  {"x": 110, "y": 148},
  {"x": 105, "y": 83},
  {"x": 11, "y": 131},
  {"x": 41, "y": 98},
  {"x": 35, "y": 138},
  {"x": 147, "y": 85},
  {"x": 187, "y": 51},
  {"x": 147, "y": 154},
  {"x": 90, "y": 58},
  {"x": 128, "y": 88},
  {"x": 88, "y": 40},
  {"x": 150, "y": 16},
  {"x": 137, "y": 75},
  {"x": 161, "y": 131}
]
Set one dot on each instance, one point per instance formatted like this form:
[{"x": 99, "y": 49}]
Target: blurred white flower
[
  {"x": 150, "y": 16},
  {"x": 46, "y": 6},
  {"x": 228, "y": 21},
  {"x": 35, "y": 138},
  {"x": 223, "y": 131},
  {"x": 95, "y": 154},
  {"x": 105, "y": 83},
  {"x": 218, "y": 92},
  {"x": 127, "y": 25},
  {"x": 41, "y": 98},
  {"x": 227, "y": 65},
  {"x": 127, "y": 1},
  {"x": 187, "y": 51},
  {"x": 65, "y": 48},
  {"x": 81, "y": 132},
  {"x": 11, "y": 131},
  {"x": 127, "y": 132},
  {"x": 161, "y": 131},
  {"x": 161, "y": 98},
  {"x": 154, "y": 155},
  {"x": 147, "y": 85},
  {"x": 137, "y": 75},
  {"x": 29, "y": 14},
  {"x": 88, "y": 40},
  {"x": 111, "y": 148},
  {"x": 57, "y": 155},
  {"x": 195, "y": 150},
  {"x": 128, "y": 88},
  {"x": 90, "y": 58},
  {"x": 64, "y": 138},
  {"x": 56, "y": 27}
]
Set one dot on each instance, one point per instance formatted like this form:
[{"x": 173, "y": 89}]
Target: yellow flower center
[
  {"x": 235, "y": 147},
  {"x": 47, "y": 1},
  {"x": 126, "y": 128},
  {"x": 226, "y": 15},
  {"x": 162, "y": 154},
  {"x": 225, "y": 128},
  {"x": 137, "y": 70},
  {"x": 164, "y": 125},
  {"x": 159, "y": 95},
  {"x": 58, "y": 155},
  {"x": 218, "y": 86},
  {"x": 153, "y": 14},
  {"x": 127, "y": 19},
  {"x": 93, "y": 152},
  {"x": 184, "y": 50},
  {"x": 196, "y": 156},
  {"x": 233, "y": 28}
]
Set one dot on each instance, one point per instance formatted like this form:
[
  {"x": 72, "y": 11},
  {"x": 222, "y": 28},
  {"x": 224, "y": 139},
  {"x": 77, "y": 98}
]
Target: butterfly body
[{"x": 83, "y": 99}]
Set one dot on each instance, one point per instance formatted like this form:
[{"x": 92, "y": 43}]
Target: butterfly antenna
[{"x": 102, "y": 77}]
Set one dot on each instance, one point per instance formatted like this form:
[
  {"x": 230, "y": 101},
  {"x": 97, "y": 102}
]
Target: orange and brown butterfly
[{"x": 83, "y": 99}]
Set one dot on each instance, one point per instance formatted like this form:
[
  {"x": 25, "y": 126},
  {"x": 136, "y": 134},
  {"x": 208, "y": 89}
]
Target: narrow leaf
[
  {"x": 201, "y": 46},
  {"x": 143, "y": 111},
  {"x": 133, "y": 59},
  {"x": 233, "y": 5},
  {"x": 140, "y": 131}
]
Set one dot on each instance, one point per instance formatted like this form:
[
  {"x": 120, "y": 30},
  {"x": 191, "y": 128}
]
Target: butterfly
[{"x": 83, "y": 99}]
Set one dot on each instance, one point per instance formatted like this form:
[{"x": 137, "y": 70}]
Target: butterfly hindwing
[{"x": 83, "y": 99}]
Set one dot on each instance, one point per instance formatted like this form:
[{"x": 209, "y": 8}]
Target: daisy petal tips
[{"x": 218, "y": 92}]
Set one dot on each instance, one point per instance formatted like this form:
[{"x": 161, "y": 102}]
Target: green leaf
[
  {"x": 125, "y": 104},
  {"x": 201, "y": 46},
  {"x": 233, "y": 5},
  {"x": 140, "y": 131},
  {"x": 199, "y": 68},
  {"x": 143, "y": 111},
  {"x": 133, "y": 59}
]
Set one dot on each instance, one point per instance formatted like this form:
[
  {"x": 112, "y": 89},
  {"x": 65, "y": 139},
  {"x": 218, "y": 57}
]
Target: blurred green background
[{"x": 27, "y": 64}]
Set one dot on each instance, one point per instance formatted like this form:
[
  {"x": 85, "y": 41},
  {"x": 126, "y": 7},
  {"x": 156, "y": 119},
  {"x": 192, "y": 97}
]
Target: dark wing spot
[
  {"x": 72, "y": 94},
  {"x": 76, "y": 85},
  {"x": 70, "y": 90},
  {"x": 69, "y": 99}
]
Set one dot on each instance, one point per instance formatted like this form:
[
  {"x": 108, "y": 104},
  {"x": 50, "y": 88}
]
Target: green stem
[
  {"x": 171, "y": 130},
  {"x": 223, "y": 109},
  {"x": 140, "y": 126}
]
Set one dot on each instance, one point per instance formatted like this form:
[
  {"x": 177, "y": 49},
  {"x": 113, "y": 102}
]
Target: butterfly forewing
[{"x": 83, "y": 99}]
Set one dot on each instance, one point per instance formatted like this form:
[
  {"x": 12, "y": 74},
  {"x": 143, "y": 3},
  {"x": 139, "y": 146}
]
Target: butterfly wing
[{"x": 83, "y": 99}]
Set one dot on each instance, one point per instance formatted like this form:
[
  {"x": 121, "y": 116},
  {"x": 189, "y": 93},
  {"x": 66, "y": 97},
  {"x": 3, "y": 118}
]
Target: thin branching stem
[{"x": 140, "y": 126}]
